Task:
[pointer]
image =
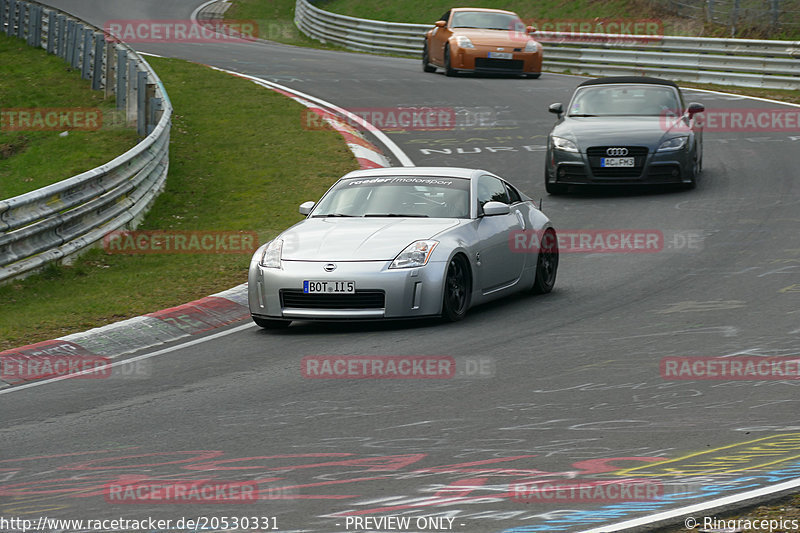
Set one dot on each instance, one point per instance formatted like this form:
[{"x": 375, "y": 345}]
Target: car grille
[
  {"x": 297, "y": 299},
  {"x": 485, "y": 63},
  {"x": 639, "y": 154}
]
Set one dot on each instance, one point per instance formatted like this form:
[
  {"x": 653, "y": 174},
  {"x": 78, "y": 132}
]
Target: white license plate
[
  {"x": 329, "y": 287},
  {"x": 501, "y": 55},
  {"x": 616, "y": 162}
]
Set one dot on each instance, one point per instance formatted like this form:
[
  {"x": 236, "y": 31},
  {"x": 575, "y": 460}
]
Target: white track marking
[{"x": 130, "y": 360}]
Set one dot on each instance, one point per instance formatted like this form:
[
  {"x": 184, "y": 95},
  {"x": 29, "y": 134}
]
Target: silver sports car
[
  {"x": 624, "y": 130},
  {"x": 404, "y": 243}
]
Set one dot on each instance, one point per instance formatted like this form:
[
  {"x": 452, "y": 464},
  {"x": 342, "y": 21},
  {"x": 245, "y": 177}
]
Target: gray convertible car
[
  {"x": 624, "y": 130},
  {"x": 403, "y": 243}
]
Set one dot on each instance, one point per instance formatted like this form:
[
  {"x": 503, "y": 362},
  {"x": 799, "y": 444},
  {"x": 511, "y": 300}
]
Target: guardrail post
[
  {"x": 109, "y": 69},
  {"x": 13, "y": 18},
  {"x": 30, "y": 24},
  {"x": 97, "y": 64},
  {"x": 141, "y": 103},
  {"x": 3, "y": 7},
  {"x": 51, "y": 32},
  {"x": 155, "y": 110},
  {"x": 61, "y": 49},
  {"x": 37, "y": 27},
  {"x": 74, "y": 47},
  {"x": 122, "y": 76},
  {"x": 131, "y": 114},
  {"x": 86, "y": 58}
]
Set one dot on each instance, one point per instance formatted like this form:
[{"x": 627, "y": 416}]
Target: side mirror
[
  {"x": 491, "y": 209},
  {"x": 531, "y": 29},
  {"x": 441, "y": 23},
  {"x": 306, "y": 207},
  {"x": 694, "y": 108},
  {"x": 556, "y": 108}
]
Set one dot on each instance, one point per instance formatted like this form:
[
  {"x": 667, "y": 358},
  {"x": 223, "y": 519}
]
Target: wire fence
[{"x": 780, "y": 18}]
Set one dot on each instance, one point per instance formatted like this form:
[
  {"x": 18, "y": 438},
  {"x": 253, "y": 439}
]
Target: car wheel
[
  {"x": 426, "y": 64},
  {"x": 269, "y": 323},
  {"x": 448, "y": 70},
  {"x": 546, "y": 263},
  {"x": 457, "y": 286},
  {"x": 535, "y": 76}
]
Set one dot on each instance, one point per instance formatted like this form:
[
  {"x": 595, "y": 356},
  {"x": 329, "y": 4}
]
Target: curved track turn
[{"x": 575, "y": 392}]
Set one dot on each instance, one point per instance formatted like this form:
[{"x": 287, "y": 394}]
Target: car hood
[
  {"x": 604, "y": 131},
  {"x": 504, "y": 38},
  {"x": 357, "y": 239}
]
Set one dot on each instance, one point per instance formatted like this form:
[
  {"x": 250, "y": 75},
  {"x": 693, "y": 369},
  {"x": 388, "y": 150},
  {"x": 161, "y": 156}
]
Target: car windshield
[
  {"x": 624, "y": 100},
  {"x": 397, "y": 196},
  {"x": 487, "y": 21}
]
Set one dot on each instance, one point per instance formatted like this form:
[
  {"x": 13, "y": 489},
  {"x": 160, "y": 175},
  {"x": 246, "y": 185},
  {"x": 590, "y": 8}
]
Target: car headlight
[
  {"x": 670, "y": 145},
  {"x": 271, "y": 258},
  {"x": 464, "y": 42},
  {"x": 416, "y": 254},
  {"x": 532, "y": 46},
  {"x": 565, "y": 145}
]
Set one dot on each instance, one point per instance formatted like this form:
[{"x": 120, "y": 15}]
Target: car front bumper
[
  {"x": 578, "y": 168},
  {"x": 381, "y": 292},
  {"x": 477, "y": 60}
]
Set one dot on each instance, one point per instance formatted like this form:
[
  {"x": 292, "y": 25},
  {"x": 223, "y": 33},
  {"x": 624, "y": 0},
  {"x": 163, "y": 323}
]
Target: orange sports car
[{"x": 470, "y": 39}]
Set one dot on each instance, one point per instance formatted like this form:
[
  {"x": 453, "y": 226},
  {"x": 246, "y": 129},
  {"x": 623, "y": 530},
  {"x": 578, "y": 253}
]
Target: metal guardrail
[
  {"x": 743, "y": 62},
  {"x": 57, "y": 221}
]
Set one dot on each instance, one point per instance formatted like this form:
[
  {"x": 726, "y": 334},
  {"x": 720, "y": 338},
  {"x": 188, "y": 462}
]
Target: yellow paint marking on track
[{"x": 749, "y": 455}]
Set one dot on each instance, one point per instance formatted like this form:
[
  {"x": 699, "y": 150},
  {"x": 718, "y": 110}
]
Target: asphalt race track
[{"x": 561, "y": 389}]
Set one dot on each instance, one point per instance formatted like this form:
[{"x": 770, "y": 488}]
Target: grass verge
[
  {"x": 753, "y": 22},
  {"x": 275, "y": 19},
  {"x": 32, "y": 79},
  {"x": 262, "y": 165}
]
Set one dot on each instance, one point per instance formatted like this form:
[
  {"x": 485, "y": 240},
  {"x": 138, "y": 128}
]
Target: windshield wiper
[
  {"x": 581, "y": 115},
  {"x": 393, "y": 215},
  {"x": 332, "y": 215}
]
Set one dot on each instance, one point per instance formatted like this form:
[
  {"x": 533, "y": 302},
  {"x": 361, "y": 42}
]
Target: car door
[
  {"x": 439, "y": 37},
  {"x": 498, "y": 265}
]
